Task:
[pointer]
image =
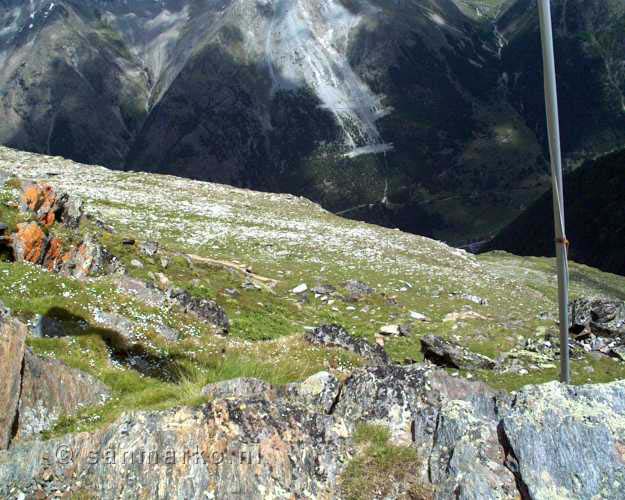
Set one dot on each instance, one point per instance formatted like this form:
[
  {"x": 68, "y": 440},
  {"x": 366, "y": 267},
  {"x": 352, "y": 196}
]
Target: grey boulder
[
  {"x": 337, "y": 336},
  {"x": 447, "y": 354}
]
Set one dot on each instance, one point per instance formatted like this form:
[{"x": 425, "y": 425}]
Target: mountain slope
[
  {"x": 354, "y": 104},
  {"x": 209, "y": 314},
  {"x": 595, "y": 212},
  {"x": 291, "y": 241},
  {"x": 422, "y": 115},
  {"x": 589, "y": 39}
]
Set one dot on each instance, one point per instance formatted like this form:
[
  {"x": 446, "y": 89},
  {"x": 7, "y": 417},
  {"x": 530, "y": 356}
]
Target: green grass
[
  {"x": 378, "y": 466},
  {"x": 292, "y": 241}
]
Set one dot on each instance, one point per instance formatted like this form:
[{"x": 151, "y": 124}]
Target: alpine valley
[{"x": 425, "y": 115}]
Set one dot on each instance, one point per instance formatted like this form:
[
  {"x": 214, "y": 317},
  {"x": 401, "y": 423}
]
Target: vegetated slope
[
  {"x": 144, "y": 327},
  {"x": 387, "y": 111},
  {"x": 595, "y": 218},
  {"x": 589, "y": 40},
  {"x": 290, "y": 240}
]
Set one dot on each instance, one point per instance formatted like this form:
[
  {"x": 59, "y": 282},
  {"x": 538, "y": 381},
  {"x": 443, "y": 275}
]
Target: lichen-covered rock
[
  {"x": 29, "y": 243},
  {"x": 408, "y": 400},
  {"x": 73, "y": 212},
  {"x": 568, "y": 442},
  {"x": 467, "y": 459},
  {"x": 599, "y": 316},
  {"x": 204, "y": 309},
  {"x": 53, "y": 259},
  {"x": 50, "y": 206},
  {"x": 43, "y": 201},
  {"x": 444, "y": 353},
  {"x": 50, "y": 389},
  {"x": 35, "y": 392},
  {"x": 336, "y": 336},
  {"x": 89, "y": 258},
  {"x": 256, "y": 441},
  {"x": 242, "y": 388},
  {"x": 320, "y": 391},
  {"x": 12, "y": 346},
  {"x": 234, "y": 448}
]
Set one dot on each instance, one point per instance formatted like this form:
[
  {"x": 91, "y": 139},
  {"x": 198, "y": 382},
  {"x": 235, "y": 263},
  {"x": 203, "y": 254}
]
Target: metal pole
[{"x": 553, "y": 126}]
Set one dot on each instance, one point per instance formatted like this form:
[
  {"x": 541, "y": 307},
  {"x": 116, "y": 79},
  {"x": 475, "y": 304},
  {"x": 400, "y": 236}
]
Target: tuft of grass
[{"x": 379, "y": 466}]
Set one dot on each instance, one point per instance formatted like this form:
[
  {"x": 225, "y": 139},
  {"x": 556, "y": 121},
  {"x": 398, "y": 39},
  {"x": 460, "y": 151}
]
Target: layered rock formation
[{"x": 36, "y": 391}]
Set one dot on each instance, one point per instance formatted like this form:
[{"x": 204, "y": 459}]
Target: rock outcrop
[
  {"x": 51, "y": 389},
  {"x": 50, "y": 207},
  {"x": 444, "y": 353},
  {"x": 205, "y": 309},
  {"x": 257, "y": 441},
  {"x": 336, "y": 336},
  {"x": 12, "y": 345},
  {"x": 567, "y": 442},
  {"x": 30, "y": 243},
  {"x": 36, "y": 391},
  {"x": 601, "y": 317},
  {"x": 89, "y": 258}
]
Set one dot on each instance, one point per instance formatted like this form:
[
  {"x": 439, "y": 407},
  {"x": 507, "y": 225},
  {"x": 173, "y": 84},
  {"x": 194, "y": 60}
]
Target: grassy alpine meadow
[{"x": 249, "y": 252}]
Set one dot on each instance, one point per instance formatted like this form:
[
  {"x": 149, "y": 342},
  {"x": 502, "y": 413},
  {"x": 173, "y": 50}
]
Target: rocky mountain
[
  {"x": 175, "y": 338},
  {"x": 594, "y": 217},
  {"x": 422, "y": 115}
]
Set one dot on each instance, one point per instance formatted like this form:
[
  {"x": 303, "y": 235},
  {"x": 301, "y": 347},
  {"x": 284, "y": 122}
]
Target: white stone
[
  {"x": 390, "y": 330},
  {"x": 418, "y": 316},
  {"x": 300, "y": 289}
]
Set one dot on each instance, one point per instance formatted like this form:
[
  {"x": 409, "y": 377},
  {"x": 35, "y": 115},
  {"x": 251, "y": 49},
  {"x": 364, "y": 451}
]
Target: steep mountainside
[
  {"x": 418, "y": 114},
  {"x": 589, "y": 41},
  {"x": 351, "y": 103},
  {"x": 595, "y": 218}
]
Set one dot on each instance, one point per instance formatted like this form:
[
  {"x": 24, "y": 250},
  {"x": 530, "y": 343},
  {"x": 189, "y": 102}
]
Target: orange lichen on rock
[
  {"x": 29, "y": 243},
  {"x": 32, "y": 197},
  {"x": 43, "y": 200},
  {"x": 54, "y": 256},
  {"x": 49, "y": 207}
]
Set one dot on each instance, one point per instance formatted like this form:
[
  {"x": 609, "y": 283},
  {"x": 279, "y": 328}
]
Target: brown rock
[
  {"x": 29, "y": 243},
  {"x": 53, "y": 260},
  {"x": 43, "y": 201},
  {"x": 12, "y": 338}
]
